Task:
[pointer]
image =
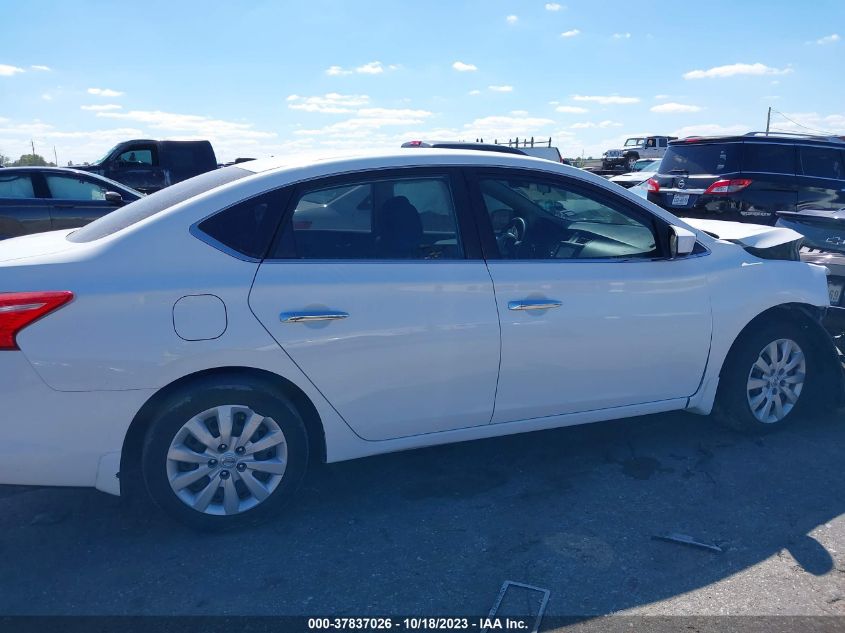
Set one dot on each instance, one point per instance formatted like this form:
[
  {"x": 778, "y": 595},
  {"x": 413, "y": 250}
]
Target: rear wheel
[
  {"x": 630, "y": 161},
  {"x": 221, "y": 453},
  {"x": 772, "y": 376}
]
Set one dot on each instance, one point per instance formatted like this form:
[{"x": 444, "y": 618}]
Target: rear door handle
[
  {"x": 309, "y": 317},
  {"x": 534, "y": 304}
]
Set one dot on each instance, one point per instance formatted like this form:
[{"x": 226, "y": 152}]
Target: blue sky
[{"x": 294, "y": 77}]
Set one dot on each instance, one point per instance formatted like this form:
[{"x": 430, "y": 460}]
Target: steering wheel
[{"x": 512, "y": 236}]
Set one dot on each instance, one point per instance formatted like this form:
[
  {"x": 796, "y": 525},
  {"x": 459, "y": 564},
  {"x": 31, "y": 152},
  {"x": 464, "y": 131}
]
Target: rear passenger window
[
  {"x": 821, "y": 162},
  {"x": 16, "y": 186},
  {"x": 769, "y": 157},
  {"x": 383, "y": 219}
]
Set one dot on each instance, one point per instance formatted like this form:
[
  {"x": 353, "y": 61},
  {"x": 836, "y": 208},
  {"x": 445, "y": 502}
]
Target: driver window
[
  {"x": 537, "y": 220},
  {"x": 136, "y": 157}
]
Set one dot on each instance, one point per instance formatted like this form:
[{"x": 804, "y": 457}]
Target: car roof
[
  {"x": 326, "y": 165},
  {"x": 757, "y": 137}
]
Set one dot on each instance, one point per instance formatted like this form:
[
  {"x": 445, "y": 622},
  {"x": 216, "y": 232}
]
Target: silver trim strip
[
  {"x": 309, "y": 317},
  {"x": 539, "y": 304}
]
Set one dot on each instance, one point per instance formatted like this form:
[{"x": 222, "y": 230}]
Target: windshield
[
  {"x": 634, "y": 142},
  {"x": 148, "y": 206},
  {"x": 645, "y": 164},
  {"x": 105, "y": 156},
  {"x": 701, "y": 158}
]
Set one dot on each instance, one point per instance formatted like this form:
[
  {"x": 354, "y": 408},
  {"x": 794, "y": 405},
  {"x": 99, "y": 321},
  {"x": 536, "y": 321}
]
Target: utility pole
[
  {"x": 768, "y": 120},
  {"x": 55, "y": 156},
  {"x": 32, "y": 144}
]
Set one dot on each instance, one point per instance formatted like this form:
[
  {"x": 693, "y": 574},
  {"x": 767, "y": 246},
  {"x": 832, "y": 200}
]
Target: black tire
[
  {"x": 630, "y": 161},
  {"x": 259, "y": 395},
  {"x": 732, "y": 407}
]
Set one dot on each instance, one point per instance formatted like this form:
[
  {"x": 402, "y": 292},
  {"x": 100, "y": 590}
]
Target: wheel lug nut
[
  {"x": 222, "y": 448},
  {"x": 212, "y": 462},
  {"x": 240, "y": 450},
  {"x": 241, "y": 468},
  {"x": 224, "y": 474}
]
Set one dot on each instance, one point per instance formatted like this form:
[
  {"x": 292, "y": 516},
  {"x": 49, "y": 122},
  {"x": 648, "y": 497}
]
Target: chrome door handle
[
  {"x": 534, "y": 304},
  {"x": 308, "y": 317}
]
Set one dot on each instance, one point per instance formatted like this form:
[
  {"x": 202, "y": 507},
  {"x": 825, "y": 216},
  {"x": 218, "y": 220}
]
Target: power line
[{"x": 802, "y": 125}]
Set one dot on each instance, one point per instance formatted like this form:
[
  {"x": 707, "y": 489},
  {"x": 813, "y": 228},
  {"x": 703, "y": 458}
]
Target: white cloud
[
  {"x": 370, "y": 68},
  {"x": 817, "y": 123},
  {"x": 732, "y": 70},
  {"x": 519, "y": 112},
  {"x": 104, "y": 92},
  {"x": 710, "y": 129},
  {"x": 591, "y": 124},
  {"x": 330, "y": 103},
  {"x": 512, "y": 19},
  {"x": 393, "y": 113},
  {"x": 622, "y": 36},
  {"x": 827, "y": 39},
  {"x": 501, "y": 88},
  {"x": 101, "y": 108},
  {"x": 42, "y": 68},
  {"x": 474, "y": 92},
  {"x": 570, "y": 109},
  {"x": 606, "y": 100},
  {"x": 190, "y": 124},
  {"x": 570, "y": 33},
  {"x": 554, "y": 6},
  {"x": 674, "y": 108},
  {"x": 8, "y": 71},
  {"x": 333, "y": 71},
  {"x": 47, "y": 96},
  {"x": 462, "y": 67},
  {"x": 505, "y": 126},
  {"x": 661, "y": 97}
]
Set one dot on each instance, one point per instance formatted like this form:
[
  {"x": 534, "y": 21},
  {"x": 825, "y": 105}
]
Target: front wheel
[
  {"x": 222, "y": 452},
  {"x": 771, "y": 377}
]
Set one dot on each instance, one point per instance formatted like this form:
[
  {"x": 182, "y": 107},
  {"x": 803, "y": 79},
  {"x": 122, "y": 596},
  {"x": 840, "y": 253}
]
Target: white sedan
[{"x": 207, "y": 342}]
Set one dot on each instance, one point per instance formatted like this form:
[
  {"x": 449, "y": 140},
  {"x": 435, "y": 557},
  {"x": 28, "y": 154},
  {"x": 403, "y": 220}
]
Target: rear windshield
[
  {"x": 155, "y": 203},
  {"x": 702, "y": 158}
]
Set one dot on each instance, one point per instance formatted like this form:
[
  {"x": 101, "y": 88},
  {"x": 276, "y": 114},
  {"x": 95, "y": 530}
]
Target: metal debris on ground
[
  {"x": 540, "y": 610},
  {"x": 683, "y": 539}
]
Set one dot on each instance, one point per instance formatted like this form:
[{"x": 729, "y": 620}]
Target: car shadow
[{"x": 437, "y": 531}]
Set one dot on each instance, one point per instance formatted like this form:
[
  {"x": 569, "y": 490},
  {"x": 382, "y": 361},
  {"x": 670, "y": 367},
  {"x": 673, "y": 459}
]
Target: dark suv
[{"x": 750, "y": 178}]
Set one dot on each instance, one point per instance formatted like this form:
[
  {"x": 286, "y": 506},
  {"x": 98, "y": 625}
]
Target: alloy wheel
[
  {"x": 226, "y": 460},
  {"x": 776, "y": 380}
]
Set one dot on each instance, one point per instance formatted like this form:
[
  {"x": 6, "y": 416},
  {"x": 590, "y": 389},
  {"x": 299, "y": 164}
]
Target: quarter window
[
  {"x": 536, "y": 220},
  {"x": 769, "y": 157},
  {"x": 16, "y": 186},
  {"x": 247, "y": 227},
  {"x": 821, "y": 162},
  {"x": 411, "y": 218}
]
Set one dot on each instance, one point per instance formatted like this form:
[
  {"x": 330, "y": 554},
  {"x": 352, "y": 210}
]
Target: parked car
[
  {"x": 148, "y": 165},
  {"x": 644, "y": 169},
  {"x": 205, "y": 343},
  {"x": 750, "y": 178},
  {"x": 36, "y": 199},
  {"x": 635, "y": 148}
]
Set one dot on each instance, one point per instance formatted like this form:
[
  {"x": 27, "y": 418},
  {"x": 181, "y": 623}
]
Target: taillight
[
  {"x": 652, "y": 185},
  {"x": 413, "y": 143},
  {"x": 728, "y": 186},
  {"x": 20, "y": 309}
]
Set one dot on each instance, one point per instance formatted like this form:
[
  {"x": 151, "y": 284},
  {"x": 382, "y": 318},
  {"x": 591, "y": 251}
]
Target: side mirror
[
  {"x": 113, "y": 197},
  {"x": 681, "y": 242}
]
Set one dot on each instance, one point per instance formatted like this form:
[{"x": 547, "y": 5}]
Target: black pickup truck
[{"x": 148, "y": 166}]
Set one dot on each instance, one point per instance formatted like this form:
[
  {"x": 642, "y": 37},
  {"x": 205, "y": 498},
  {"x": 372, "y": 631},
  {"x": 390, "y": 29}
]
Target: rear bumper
[{"x": 60, "y": 438}]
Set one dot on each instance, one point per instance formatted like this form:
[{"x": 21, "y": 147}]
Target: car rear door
[
  {"x": 377, "y": 291},
  {"x": 75, "y": 200},
  {"x": 821, "y": 183},
  {"x": 593, "y": 316},
  {"x": 771, "y": 168},
  {"x": 24, "y": 208}
]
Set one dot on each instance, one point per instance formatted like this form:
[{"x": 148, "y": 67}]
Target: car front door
[
  {"x": 24, "y": 208},
  {"x": 376, "y": 290},
  {"x": 593, "y": 315},
  {"x": 76, "y": 200}
]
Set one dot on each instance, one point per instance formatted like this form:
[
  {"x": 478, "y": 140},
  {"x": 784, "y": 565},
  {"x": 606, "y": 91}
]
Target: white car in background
[
  {"x": 204, "y": 344},
  {"x": 644, "y": 169}
]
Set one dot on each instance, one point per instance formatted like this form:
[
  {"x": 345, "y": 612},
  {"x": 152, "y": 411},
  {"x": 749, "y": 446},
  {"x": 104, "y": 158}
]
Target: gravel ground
[{"x": 437, "y": 531}]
